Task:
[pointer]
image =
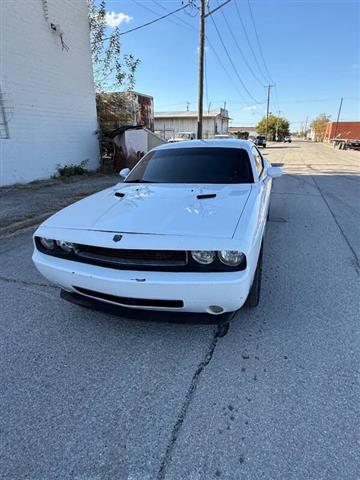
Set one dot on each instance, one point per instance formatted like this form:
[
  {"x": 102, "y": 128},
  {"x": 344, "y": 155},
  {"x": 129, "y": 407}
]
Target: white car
[
  {"x": 182, "y": 137},
  {"x": 183, "y": 232},
  {"x": 222, "y": 136}
]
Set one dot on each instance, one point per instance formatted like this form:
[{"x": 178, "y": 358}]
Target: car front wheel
[{"x": 253, "y": 298}]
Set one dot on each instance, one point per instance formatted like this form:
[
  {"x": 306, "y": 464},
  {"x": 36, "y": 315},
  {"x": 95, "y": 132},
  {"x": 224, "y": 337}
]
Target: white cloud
[
  {"x": 252, "y": 108},
  {"x": 114, "y": 19}
]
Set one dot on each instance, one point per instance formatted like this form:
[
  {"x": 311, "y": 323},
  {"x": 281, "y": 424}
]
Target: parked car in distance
[
  {"x": 182, "y": 137},
  {"x": 287, "y": 139},
  {"x": 183, "y": 232},
  {"x": 222, "y": 136},
  {"x": 260, "y": 141}
]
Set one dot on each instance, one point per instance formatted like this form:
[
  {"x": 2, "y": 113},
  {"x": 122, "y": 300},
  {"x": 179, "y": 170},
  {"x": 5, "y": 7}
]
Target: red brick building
[{"x": 345, "y": 130}]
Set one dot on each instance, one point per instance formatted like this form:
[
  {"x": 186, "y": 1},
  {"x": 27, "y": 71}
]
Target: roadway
[{"x": 88, "y": 396}]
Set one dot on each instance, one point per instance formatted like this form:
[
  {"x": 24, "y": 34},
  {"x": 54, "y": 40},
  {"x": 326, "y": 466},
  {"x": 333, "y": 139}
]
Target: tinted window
[{"x": 194, "y": 165}]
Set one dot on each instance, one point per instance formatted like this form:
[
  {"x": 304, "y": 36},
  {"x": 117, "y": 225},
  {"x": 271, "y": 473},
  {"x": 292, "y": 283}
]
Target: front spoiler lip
[{"x": 160, "y": 316}]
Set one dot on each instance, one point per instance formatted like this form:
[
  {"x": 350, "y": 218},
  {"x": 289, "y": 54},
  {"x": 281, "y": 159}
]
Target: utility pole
[
  {"x": 305, "y": 129},
  {"x": 277, "y": 125},
  {"x": 338, "y": 117},
  {"x": 269, "y": 87},
  {"x": 201, "y": 69},
  {"x": 187, "y": 106},
  {"x": 201, "y": 61}
]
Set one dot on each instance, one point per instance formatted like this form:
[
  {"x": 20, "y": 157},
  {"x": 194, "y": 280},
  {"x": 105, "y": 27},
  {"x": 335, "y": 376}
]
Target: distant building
[
  {"x": 344, "y": 130},
  {"x": 168, "y": 124},
  {"x": 250, "y": 131},
  {"x": 118, "y": 109},
  {"x": 47, "y": 99}
]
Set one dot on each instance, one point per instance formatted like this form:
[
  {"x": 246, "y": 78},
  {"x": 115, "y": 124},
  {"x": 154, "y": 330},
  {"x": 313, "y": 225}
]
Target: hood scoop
[
  {"x": 203, "y": 196},
  {"x": 119, "y": 194}
]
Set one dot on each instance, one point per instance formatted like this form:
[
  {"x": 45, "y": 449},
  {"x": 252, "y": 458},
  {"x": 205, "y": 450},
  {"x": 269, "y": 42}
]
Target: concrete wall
[{"x": 48, "y": 92}]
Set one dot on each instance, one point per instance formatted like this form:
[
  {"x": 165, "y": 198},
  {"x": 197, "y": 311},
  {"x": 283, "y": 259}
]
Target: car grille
[{"x": 132, "y": 258}]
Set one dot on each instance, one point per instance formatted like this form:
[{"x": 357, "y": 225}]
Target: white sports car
[{"x": 183, "y": 232}]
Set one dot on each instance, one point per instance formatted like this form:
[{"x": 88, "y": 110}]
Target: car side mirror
[
  {"x": 124, "y": 172},
  {"x": 274, "y": 172}
]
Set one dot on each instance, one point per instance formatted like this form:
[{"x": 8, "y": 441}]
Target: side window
[{"x": 258, "y": 160}]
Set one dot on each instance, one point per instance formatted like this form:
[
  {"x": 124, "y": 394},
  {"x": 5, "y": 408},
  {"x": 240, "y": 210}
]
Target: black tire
[{"x": 253, "y": 298}]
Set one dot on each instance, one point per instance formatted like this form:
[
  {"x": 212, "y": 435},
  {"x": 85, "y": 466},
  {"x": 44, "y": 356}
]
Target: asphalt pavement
[
  {"x": 24, "y": 205},
  {"x": 90, "y": 396}
]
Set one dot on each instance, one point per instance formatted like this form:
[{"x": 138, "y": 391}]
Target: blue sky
[{"x": 311, "y": 51}]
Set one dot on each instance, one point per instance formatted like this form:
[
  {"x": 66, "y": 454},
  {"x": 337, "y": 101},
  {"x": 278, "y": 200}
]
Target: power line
[
  {"x": 207, "y": 41},
  {"x": 258, "y": 42},
  {"x": 151, "y": 22},
  {"x": 241, "y": 52},
  {"x": 175, "y": 20},
  {"x": 183, "y": 22},
  {"x": 225, "y": 70},
  {"x": 231, "y": 61},
  {"x": 249, "y": 43}
]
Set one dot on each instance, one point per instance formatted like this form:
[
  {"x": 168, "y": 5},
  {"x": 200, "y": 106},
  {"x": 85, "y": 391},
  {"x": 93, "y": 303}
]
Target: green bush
[{"x": 71, "y": 170}]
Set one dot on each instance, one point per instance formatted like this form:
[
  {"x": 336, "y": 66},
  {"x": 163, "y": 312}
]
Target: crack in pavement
[
  {"x": 220, "y": 331},
  {"x": 356, "y": 259},
  {"x": 25, "y": 283}
]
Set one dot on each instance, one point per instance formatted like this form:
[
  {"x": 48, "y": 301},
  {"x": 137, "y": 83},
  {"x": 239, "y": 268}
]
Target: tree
[
  {"x": 318, "y": 125},
  {"x": 276, "y": 125},
  {"x": 111, "y": 71}
]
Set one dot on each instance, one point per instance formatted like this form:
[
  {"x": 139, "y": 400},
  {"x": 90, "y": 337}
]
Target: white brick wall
[{"x": 49, "y": 93}]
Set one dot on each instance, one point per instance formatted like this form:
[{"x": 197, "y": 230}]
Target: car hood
[{"x": 160, "y": 209}]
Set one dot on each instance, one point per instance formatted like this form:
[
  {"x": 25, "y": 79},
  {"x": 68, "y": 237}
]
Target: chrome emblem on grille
[{"x": 117, "y": 238}]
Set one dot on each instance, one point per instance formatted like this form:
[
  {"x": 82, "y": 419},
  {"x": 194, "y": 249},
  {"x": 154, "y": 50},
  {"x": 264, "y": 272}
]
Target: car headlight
[
  {"x": 68, "y": 247},
  {"x": 231, "y": 258},
  {"x": 47, "y": 243},
  {"x": 204, "y": 257}
]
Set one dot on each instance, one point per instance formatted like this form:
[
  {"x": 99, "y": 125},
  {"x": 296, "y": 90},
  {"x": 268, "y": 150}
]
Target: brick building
[
  {"x": 345, "y": 130},
  {"x": 47, "y": 99}
]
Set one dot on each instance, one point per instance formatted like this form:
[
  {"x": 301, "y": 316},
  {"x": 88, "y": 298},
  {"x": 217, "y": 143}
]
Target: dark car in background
[{"x": 260, "y": 141}]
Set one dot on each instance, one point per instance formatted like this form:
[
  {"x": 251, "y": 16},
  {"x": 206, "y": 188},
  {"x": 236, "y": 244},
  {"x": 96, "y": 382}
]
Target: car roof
[{"x": 216, "y": 143}]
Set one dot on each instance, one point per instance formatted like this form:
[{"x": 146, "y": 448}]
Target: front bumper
[{"x": 196, "y": 291}]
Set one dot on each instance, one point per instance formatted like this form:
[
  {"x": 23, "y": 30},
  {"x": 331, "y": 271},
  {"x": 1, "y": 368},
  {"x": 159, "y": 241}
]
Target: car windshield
[{"x": 193, "y": 165}]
